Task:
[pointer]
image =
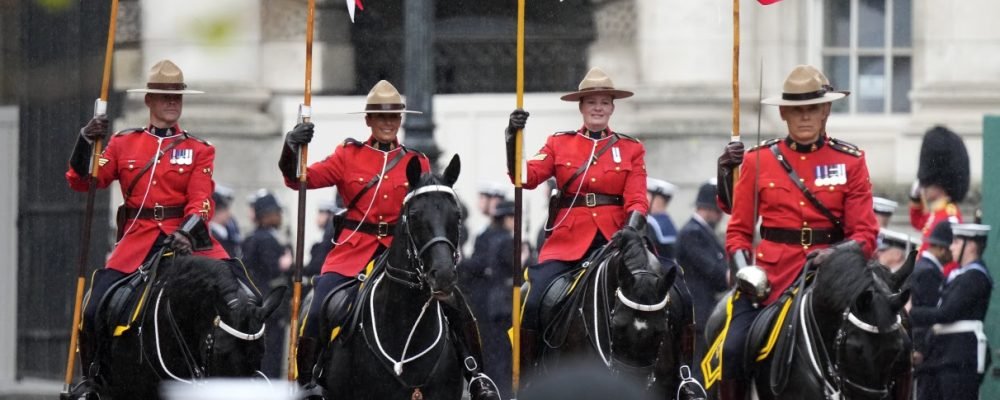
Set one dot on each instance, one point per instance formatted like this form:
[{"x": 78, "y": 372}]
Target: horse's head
[
  {"x": 235, "y": 345},
  {"x": 429, "y": 226},
  {"x": 870, "y": 346},
  {"x": 639, "y": 314}
]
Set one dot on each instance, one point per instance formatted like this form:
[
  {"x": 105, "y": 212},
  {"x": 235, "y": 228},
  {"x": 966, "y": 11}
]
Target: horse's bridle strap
[
  {"x": 641, "y": 307},
  {"x": 428, "y": 189},
  {"x": 872, "y": 328},
  {"x": 237, "y": 334}
]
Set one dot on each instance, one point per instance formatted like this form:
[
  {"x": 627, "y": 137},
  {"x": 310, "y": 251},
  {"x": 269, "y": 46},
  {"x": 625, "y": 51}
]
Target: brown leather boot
[{"x": 732, "y": 389}]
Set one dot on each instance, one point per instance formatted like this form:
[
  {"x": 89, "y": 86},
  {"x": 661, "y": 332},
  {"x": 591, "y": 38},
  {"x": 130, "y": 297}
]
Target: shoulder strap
[
  {"x": 128, "y": 191},
  {"x": 602, "y": 150},
  {"x": 388, "y": 167},
  {"x": 805, "y": 191}
]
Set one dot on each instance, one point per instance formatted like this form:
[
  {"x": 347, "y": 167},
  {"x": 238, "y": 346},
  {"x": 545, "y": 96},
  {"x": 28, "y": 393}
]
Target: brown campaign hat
[
  {"x": 805, "y": 85},
  {"x": 596, "y": 82},
  {"x": 385, "y": 99},
  {"x": 165, "y": 77}
]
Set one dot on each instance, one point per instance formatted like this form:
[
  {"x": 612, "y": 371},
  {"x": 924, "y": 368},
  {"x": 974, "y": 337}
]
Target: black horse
[
  {"x": 399, "y": 346},
  {"x": 850, "y": 341},
  {"x": 198, "y": 322},
  {"x": 625, "y": 313}
]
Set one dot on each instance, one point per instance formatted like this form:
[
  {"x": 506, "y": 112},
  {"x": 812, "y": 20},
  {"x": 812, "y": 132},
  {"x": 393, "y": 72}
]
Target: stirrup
[
  {"x": 84, "y": 390},
  {"x": 486, "y": 389},
  {"x": 311, "y": 391}
]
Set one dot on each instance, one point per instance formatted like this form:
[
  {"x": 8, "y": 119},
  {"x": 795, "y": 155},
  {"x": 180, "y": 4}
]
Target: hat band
[
  {"x": 385, "y": 107},
  {"x": 596, "y": 88},
  {"x": 166, "y": 86},
  {"x": 803, "y": 96}
]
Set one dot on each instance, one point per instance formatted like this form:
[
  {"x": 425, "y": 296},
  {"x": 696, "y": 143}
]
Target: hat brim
[
  {"x": 614, "y": 93},
  {"x": 827, "y": 98},
  {"x": 386, "y": 112},
  {"x": 163, "y": 91}
]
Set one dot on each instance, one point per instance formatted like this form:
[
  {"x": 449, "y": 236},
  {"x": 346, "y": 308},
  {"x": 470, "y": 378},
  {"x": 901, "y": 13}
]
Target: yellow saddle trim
[
  {"x": 121, "y": 329},
  {"x": 776, "y": 329},
  {"x": 712, "y": 373}
]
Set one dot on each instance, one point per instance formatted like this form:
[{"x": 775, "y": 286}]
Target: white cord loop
[
  {"x": 237, "y": 334},
  {"x": 397, "y": 366},
  {"x": 642, "y": 307}
]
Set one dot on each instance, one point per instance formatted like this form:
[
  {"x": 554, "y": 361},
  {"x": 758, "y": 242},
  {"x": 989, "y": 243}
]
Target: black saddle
[
  {"x": 337, "y": 307},
  {"x": 563, "y": 295}
]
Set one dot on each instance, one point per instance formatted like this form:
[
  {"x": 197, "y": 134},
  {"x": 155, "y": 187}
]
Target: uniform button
[
  {"x": 802, "y": 203},
  {"x": 379, "y": 217},
  {"x": 593, "y": 179},
  {"x": 801, "y": 180},
  {"x": 130, "y": 166},
  {"x": 593, "y": 214},
  {"x": 802, "y": 157},
  {"x": 831, "y": 188},
  {"x": 760, "y": 254},
  {"x": 770, "y": 184},
  {"x": 594, "y": 163},
  {"x": 181, "y": 170},
  {"x": 154, "y": 182},
  {"x": 159, "y": 224},
  {"x": 567, "y": 163},
  {"x": 385, "y": 196},
  {"x": 385, "y": 176},
  {"x": 805, "y": 223},
  {"x": 406, "y": 183},
  {"x": 618, "y": 168}
]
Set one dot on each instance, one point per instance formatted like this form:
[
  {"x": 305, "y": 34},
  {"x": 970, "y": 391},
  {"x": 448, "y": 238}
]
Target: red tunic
[
  {"x": 620, "y": 171},
  {"x": 925, "y": 221},
  {"x": 186, "y": 183},
  {"x": 351, "y": 166},
  {"x": 782, "y": 205}
]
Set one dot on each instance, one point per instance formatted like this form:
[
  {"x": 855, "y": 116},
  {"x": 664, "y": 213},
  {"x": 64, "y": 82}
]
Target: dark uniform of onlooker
[
  {"x": 223, "y": 226},
  {"x": 476, "y": 275},
  {"x": 496, "y": 290},
  {"x": 262, "y": 255},
  {"x": 703, "y": 259},
  {"x": 957, "y": 350},
  {"x": 661, "y": 228},
  {"x": 317, "y": 253},
  {"x": 925, "y": 292}
]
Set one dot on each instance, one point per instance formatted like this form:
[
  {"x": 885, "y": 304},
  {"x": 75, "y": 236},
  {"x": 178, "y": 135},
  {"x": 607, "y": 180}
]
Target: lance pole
[
  {"x": 100, "y": 109},
  {"x": 518, "y": 203},
  {"x": 305, "y": 114},
  {"x": 736, "y": 83}
]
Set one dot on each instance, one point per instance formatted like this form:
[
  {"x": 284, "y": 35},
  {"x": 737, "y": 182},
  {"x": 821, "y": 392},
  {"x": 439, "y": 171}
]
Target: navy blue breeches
[{"x": 736, "y": 337}]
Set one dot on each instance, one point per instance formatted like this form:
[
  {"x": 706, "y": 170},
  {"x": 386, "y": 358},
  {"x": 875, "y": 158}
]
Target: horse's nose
[{"x": 441, "y": 278}]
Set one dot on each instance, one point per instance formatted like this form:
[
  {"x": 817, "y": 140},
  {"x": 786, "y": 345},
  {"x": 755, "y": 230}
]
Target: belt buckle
[
  {"x": 383, "y": 229},
  {"x": 591, "y": 200},
  {"x": 806, "y": 237},
  {"x": 158, "y": 212}
]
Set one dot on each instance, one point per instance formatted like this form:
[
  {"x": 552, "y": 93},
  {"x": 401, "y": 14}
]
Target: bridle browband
[{"x": 638, "y": 306}]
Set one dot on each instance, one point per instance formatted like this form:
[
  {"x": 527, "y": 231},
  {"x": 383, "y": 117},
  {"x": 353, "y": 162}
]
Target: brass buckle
[
  {"x": 806, "y": 237},
  {"x": 383, "y": 229},
  {"x": 158, "y": 212},
  {"x": 591, "y": 200}
]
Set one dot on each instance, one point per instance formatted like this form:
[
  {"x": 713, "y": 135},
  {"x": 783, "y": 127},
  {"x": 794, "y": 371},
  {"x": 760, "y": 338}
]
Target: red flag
[{"x": 764, "y": 2}]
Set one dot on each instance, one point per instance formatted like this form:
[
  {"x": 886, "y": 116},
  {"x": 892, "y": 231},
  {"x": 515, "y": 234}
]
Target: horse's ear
[
  {"x": 898, "y": 300},
  {"x": 901, "y": 275},
  {"x": 413, "y": 172},
  {"x": 451, "y": 173},
  {"x": 671, "y": 270},
  {"x": 271, "y": 303}
]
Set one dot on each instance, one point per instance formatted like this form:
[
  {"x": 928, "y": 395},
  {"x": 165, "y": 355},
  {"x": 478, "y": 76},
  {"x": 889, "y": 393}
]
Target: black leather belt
[
  {"x": 381, "y": 229},
  {"x": 590, "y": 200},
  {"x": 804, "y": 236},
  {"x": 158, "y": 212}
]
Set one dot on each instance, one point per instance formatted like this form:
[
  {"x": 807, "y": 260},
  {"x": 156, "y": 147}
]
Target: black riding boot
[
  {"x": 529, "y": 355},
  {"x": 470, "y": 349},
  {"x": 732, "y": 389},
  {"x": 305, "y": 362},
  {"x": 90, "y": 367}
]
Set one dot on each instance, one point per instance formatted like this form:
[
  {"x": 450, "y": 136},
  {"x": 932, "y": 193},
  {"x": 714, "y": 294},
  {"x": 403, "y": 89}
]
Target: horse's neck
[{"x": 827, "y": 323}]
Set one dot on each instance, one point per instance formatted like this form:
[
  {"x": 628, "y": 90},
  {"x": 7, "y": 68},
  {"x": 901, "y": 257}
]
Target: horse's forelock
[{"x": 840, "y": 279}]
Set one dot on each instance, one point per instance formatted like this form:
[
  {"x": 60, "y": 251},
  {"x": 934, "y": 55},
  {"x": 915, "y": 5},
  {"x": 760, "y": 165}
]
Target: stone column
[
  {"x": 418, "y": 57},
  {"x": 283, "y": 47}
]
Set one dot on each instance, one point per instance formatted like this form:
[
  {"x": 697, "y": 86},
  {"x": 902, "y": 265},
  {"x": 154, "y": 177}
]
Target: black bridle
[
  {"x": 835, "y": 379},
  {"x": 414, "y": 277}
]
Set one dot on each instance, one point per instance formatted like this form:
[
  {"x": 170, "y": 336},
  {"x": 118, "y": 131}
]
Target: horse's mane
[
  {"x": 194, "y": 277},
  {"x": 840, "y": 279}
]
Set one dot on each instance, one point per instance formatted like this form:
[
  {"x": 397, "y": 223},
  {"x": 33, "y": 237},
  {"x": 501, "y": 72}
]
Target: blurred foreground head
[{"x": 584, "y": 383}]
